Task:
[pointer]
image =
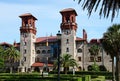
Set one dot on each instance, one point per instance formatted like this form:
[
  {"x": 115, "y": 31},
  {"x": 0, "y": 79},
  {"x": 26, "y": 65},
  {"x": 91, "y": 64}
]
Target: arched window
[
  {"x": 68, "y": 18},
  {"x": 89, "y": 68},
  {"x": 67, "y": 41},
  {"x": 67, "y": 49},
  {"x": 43, "y": 52},
  {"x": 38, "y": 51},
  {"x": 49, "y": 51},
  {"x": 72, "y": 19},
  {"x": 79, "y": 50}
]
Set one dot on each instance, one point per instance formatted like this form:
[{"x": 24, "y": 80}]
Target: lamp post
[{"x": 58, "y": 53}]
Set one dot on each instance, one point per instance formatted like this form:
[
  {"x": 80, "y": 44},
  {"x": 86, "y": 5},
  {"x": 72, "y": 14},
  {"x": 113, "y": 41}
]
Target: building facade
[{"x": 39, "y": 53}]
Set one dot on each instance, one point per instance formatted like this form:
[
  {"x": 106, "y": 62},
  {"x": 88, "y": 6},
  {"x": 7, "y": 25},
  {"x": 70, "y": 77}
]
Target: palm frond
[{"x": 107, "y": 7}]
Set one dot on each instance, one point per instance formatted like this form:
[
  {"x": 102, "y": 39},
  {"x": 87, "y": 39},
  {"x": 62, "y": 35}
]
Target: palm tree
[
  {"x": 12, "y": 55},
  {"x": 111, "y": 45},
  {"x": 66, "y": 61},
  {"x": 94, "y": 50},
  {"x": 107, "y": 45},
  {"x": 1, "y": 57},
  {"x": 107, "y": 7}
]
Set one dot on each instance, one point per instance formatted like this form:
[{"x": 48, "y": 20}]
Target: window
[
  {"x": 67, "y": 41},
  {"x": 24, "y": 51},
  {"x": 91, "y": 59},
  {"x": 79, "y": 50},
  {"x": 26, "y": 23},
  {"x": 72, "y": 19},
  {"x": 25, "y": 43},
  {"x": 38, "y": 51},
  {"x": 99, "y": 59},
  {"x": 67, "y": 19},
  {"x": 79, "y": 58},
  {"x": 43, "y": 51},
  {"x": 67, "y": 49},
  {"x": 24, "y": 58},
  {"x": 49, "y": 51}
]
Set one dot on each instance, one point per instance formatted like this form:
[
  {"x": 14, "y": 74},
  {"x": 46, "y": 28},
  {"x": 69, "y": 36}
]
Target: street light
[{"x": 58, "y": 52}]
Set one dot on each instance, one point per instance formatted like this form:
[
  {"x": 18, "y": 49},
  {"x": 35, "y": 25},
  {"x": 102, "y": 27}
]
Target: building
[{"x": 39, "y": 53}]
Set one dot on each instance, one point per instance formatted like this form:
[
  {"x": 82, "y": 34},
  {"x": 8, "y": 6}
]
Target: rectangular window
[
  {"x": 24, "y": 51},
  {"x": 25, "y": 59},
  {"x": 91, "y": 59},
  {"x": 79, "y": 58},
  {"x": 99, "y": 59},
  {"x": 25, "y": 43}
]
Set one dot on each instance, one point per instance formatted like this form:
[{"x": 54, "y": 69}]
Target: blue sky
[{"x": 49, "y": 18}]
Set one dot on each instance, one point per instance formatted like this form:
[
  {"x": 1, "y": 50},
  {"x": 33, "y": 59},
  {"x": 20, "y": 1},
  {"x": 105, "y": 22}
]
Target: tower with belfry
[
  {"x": 27, "y": 40},
  {"x": 68, "y": 31}
]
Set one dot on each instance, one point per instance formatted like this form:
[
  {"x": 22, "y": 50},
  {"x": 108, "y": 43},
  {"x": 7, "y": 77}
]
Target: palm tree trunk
[
  {"x": 113, "y": 69},
  {"x": 11, "y": 69},
  {"x": 65, "y": 69},
  {"x": 117, "y": 67}
]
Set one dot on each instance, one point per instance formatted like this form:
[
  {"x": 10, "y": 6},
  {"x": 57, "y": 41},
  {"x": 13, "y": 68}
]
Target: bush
[{"x": 95, "y": 67}]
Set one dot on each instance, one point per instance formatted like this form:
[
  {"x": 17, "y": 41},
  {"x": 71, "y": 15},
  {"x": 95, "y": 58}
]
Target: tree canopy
[
  {"x": 106, "y": 7},
  {"x": 111, "y": 44}
]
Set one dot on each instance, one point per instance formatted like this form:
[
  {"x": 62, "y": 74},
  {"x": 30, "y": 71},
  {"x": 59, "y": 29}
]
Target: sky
[{"x": 49, "y": 18}]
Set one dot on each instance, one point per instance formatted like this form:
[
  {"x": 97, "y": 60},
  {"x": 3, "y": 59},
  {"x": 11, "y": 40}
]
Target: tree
[
  {"x": 107, "y": 7},
  {"x": 94, "y": 50},
  {"x": 12, "y": 55},
  {"x": 66, "y": 61},
  {"x": 111, "y": 45},
  {"x": 1, "y": 57}
]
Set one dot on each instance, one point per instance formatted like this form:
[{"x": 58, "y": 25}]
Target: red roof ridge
[{"x": 3, "y": 43}]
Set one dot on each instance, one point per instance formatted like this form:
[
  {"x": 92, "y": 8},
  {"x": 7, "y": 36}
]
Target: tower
[
  {"x": 68, "y": 30},
  {"x": 27, "y": 39}
]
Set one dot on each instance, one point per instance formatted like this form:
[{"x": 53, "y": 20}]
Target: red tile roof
[
  {"x": 40, "y": 64},
  {"x": 52, "y": 39},
  {"x": 26, "y": 15},
  {"x": 4, "y": 43},
  {"x": 68, "y": 10},
  {"x": 95, "y": 41},
  {"x": 44, "y": 39},
  {"x": 79, "y": 39}
]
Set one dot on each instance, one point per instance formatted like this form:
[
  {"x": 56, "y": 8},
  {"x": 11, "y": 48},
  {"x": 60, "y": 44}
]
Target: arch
[
  {"x": 36, "y": 69},
  {"x": 72, "y": 19},
  {"x": 43, "y": 52},
  {"x": 79, "y": 68},
  {"x": 38, "y": 51},
  {"x": 89, "y": 68},
  {"x": 102, "y": 68},
  {"x": 45, "y": 69},
  {"x": 79, "y": 50},
  {"x": 49, "y": 51},
  {"x": 67, "y": 49}
]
